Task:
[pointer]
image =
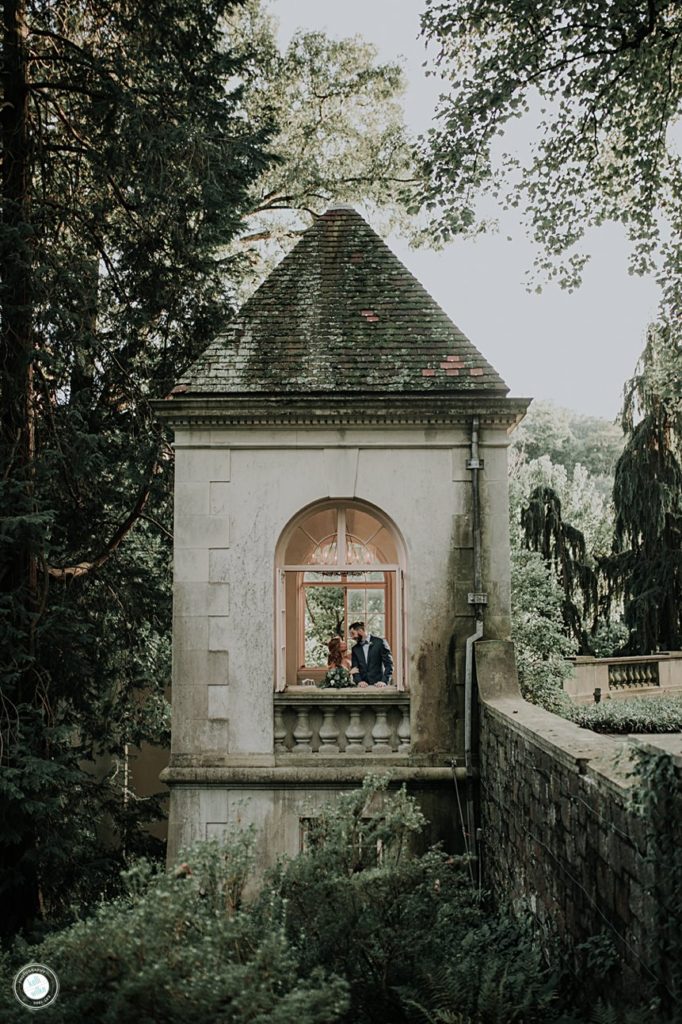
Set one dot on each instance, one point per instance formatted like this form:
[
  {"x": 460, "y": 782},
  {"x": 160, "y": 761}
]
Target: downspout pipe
[{"x": 478, "y": 599}]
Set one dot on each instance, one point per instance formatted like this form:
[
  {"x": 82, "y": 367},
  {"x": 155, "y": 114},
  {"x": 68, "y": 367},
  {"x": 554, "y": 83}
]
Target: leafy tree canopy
[
  {"x": 603, "y": 81},
  {"x": 340, "y": 135},
  {"x": 569, "y": 439}
]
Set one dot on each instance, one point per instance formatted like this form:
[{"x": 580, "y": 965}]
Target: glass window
[{"x": 340, "y": 565}]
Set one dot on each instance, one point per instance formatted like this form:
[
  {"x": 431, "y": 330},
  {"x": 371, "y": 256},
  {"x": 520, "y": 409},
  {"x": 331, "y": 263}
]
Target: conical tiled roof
[{"x": 340, "y": 313}]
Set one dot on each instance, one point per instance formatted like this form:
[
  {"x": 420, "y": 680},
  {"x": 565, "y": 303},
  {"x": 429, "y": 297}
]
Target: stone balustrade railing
[
  {"x": 620, "y": 678},
  {"x": 350, "y": 722},
  {"x": 633, "y": 673}
]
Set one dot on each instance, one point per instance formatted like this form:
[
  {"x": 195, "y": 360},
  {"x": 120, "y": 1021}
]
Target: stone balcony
[{"x": 367, "y": 723}]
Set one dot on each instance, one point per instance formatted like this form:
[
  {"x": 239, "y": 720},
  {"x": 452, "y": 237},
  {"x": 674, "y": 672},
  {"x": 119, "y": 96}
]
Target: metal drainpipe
[{"x": 478, "y": 599}]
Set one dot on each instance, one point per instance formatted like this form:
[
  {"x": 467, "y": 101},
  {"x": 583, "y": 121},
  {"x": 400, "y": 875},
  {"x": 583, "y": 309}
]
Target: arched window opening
[{"x": 339, "y": 563}]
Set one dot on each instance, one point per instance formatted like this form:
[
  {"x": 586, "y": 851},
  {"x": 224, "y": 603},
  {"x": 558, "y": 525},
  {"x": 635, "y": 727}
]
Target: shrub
[
  {"x": 639, "y": 714},
  {"x": 411, "y": 935},
  {"x": 356, "y": 929},
  {"x": 180, "y": 947}
]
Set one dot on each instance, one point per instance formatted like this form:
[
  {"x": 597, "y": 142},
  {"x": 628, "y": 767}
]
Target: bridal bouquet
[{"x": 338, "y": 679}]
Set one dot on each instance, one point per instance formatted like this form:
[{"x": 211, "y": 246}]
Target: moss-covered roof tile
[{"x": 340, "y": 313}]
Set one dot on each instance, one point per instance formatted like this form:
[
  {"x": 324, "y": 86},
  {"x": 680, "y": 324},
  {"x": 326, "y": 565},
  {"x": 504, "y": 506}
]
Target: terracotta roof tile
[{"x": 340, "y": 313}]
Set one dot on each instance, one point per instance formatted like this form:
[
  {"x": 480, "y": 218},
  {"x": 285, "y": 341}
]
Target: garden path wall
[{"x": 561, "y": 837}]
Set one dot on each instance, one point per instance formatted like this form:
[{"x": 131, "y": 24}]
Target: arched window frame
[{"x": 395, "y": 568}]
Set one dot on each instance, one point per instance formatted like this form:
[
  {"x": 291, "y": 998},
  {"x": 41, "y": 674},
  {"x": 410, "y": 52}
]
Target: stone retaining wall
[{"x": 561, "y": 837}]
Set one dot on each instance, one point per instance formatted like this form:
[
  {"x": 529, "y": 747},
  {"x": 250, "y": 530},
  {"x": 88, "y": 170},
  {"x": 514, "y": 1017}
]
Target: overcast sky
[{"x": 573, "y": 349}]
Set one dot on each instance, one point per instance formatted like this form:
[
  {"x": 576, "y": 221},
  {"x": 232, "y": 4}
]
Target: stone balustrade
[
  {"x": 645, "y": 675},
  {"x": 633, "y": 673},
  {"x": 349, "y": 722}
]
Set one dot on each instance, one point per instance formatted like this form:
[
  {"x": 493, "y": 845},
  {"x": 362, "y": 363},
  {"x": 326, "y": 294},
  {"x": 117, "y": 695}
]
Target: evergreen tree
[
  {"x": 127, "y": 161},
  {"x": 564, "y": 550},
  {"x": 645, "y": 569}
]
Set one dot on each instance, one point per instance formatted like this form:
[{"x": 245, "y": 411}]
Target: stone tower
[{"x": 341, "y": 453}]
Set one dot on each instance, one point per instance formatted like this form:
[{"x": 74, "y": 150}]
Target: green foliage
[
  {"x": 658, "y": 797},
  {"x": 570, "y": 439},
  {"x": 136, "y": 165},
  {"x": 602, "y": 82},
  {"x": 337, "y": 679},
  {"x": 634, "y": 714},
  {"x": 325, "y": 610},
  {"x": 357, "y": 929},
  {"x": 181, "y": 946},
  {"x": 645, "y": 569},
  {"x": 563, "y": 548},
  {"x": 540, "y": 641},
  {"x": 340, "y": 135},
  {"x": 409, "y": 933}
]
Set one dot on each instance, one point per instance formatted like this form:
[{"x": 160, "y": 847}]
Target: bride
[{"x": 339, "y": 656}]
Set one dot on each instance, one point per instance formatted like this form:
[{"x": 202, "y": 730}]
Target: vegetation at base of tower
[{"x": 357, "y": 929}]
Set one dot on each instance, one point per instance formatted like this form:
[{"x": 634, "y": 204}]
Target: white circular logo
[{"x": 36, "y": 986}]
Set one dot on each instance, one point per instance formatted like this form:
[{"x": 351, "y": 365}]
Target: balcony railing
[{"x": 349, "y": 722}]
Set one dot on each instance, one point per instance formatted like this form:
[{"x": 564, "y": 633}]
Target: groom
[{"x": 371, "y": 656}]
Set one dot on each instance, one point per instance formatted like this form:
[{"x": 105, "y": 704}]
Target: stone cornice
[
  {"x": 341, "y": 410},
  {"x": 308, "y": 775}
]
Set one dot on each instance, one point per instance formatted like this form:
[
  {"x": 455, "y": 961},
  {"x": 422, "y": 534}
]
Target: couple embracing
[{"x": 370, "y": 662}]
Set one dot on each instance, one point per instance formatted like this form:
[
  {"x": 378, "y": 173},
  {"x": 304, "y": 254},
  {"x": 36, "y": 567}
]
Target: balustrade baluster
[
  {"x": 302, "y": 734},
  {"x": 280, "y": 732},
  {"x": 355, "y": 733},
  {"x": 329, "y": 732},
  {"x": 381, "y": 733},
  {"x": 404, "y": 734}
]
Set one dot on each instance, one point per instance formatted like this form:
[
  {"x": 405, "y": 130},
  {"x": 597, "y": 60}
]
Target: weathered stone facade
[
  {"x": 561, "y": 837},
  {"x": 341, "y": 384}
]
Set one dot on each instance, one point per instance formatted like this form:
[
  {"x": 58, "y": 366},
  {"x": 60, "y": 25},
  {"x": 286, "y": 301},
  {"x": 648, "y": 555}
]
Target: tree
[
  {"x": 340, "y": 135},
  {"x": 564, "y": 550},
  {"x": 571, "y": 439},
  {"x": 541, "y": 643},
  {"x": 603, "y": 81},
  {"x": 137, "y": 141},
  {"x": 127, "y": 161},
  {"x": 560, "y": 512},
  {"x": 645, "y": 569}
]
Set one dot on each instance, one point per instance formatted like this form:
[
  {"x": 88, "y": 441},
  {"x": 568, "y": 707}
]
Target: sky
[{"x": 574, "y": 349}]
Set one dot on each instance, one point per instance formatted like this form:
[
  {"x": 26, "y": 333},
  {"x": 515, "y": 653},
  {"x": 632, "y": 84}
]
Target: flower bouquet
[{"x": 337, "y": 679}]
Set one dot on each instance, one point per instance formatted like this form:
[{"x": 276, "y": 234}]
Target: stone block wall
[{"x": 562, "y": 837}]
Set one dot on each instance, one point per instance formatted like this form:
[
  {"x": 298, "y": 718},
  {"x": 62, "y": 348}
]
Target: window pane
[
  {"x": 313, "y": 532},
  {"x": 369, "y": 606},
  {"x": 322, "y": 577},
  {"x": 368, "y": 531},
  {"x": 324, "y": 619}
]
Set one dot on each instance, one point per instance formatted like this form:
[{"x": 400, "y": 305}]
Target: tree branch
[{"x": 84, "y": 568}]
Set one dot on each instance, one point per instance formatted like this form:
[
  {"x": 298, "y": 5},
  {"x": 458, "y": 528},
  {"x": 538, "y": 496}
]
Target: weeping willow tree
[
  {"x": 645, "y": 568},
  {"x": 565, "y": 552}
]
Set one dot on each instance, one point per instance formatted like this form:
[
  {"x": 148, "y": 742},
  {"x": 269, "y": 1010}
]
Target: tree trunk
[{"x": 17, "y": 434}]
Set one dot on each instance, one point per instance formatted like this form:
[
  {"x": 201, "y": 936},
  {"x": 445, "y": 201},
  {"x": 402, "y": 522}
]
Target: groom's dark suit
[{"x": 377, "y": 666}]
